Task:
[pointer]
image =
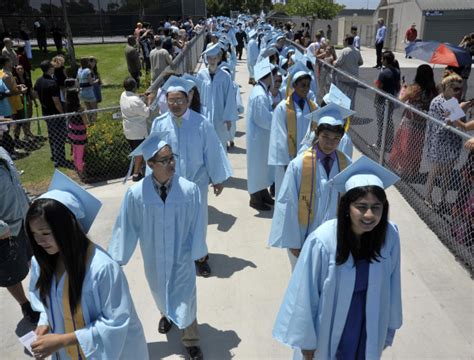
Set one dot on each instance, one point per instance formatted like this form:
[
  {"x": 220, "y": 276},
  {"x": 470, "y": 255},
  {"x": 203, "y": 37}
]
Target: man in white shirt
[
  {"x": 315, "y": 46},
  {"x": 134, "y": 119}
]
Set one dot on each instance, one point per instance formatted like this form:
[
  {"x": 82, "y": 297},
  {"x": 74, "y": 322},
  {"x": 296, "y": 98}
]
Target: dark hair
[
  {"x": 158, "y": 41},
  {"x": 339, "y": 129},
  {"x": 45, "y": 66},
  {"x": 353, "y": 28},
  {"x": 20, "y": 49},
  {"x": 425, "y": 78},
  {"x": 304, "y": 77},
  {"x": 71, "y": 241},
  {"x": 349, "y": 39},
  {"x": 196, "y": 101},
  {"x": 85, "y": 63},
  {"x": 389, "y": 57},
  {"x": 73, "y": 104},
  {"x": 370, "y": 244},
  {"x": 129, "y": 84},
  {"x": 4, "y": 60}
]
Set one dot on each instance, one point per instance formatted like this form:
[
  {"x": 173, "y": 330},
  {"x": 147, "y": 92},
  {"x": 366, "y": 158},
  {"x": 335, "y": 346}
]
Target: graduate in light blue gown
[
  {"x": 201, "y": 157},
  {"x": 217, "y": 94},
  {"x": 279, "y": 154},
  {"x": 163, "y": 211},
  {"x": 296, "y": 67},
  {"x": 344, "y": 297},
  {"x": 259, "y": 119},
  {"x": 86, "y": 308},
  {"x": 307, "y": 198},
  {"x": 252, "y": 54}
]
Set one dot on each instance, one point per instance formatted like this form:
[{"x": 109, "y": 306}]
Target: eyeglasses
[
  {"x": 177, "y": 101},
  {"x": 168, "y": 160}
]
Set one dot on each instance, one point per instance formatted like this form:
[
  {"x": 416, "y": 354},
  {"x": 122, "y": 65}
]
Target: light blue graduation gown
[
  {"x": 113, "y": 330},
  {"x": 260, "y": 175},
  {"x": 201, "y": 157},
  {"x": 278, "y": 155},
  {"x": 346, "y": 145},
  {"x": 286, "y": 231},
  {"x": 252, "y": 55},
  {"x": 317, "y": 301},
  {"x": 171, "y": 238},
  {"x": 219, "y": 99}
]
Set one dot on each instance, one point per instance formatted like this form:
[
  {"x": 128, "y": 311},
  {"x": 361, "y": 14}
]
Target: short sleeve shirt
[
  {"x": 389, "y": 78},
  {"x": 47, "y": 88}
]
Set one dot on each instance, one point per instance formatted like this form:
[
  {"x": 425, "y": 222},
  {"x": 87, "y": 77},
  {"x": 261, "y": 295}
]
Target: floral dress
[{"x": 444, "y": 146}]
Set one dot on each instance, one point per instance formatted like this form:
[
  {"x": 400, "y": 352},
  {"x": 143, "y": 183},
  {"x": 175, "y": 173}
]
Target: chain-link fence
[{"x": 436, "y": 171}]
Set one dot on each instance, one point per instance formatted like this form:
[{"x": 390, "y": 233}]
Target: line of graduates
[{"x": 344, "y": 297}]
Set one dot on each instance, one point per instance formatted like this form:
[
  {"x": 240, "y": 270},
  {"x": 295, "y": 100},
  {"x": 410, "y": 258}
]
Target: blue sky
[{"x": 359, "y": 4}]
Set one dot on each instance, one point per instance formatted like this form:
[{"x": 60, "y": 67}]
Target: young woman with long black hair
[{"x": 344, "y": 297}]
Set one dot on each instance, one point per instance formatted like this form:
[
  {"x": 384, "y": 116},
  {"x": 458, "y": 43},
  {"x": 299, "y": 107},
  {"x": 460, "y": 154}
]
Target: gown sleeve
[
  {"x": 126, "y": 230},
  {"x": 263, "y": 114},
  {"x": 35, "y": 300},
  {"x": 278, "y": 151},
  {"x": 295, "y": 324},
  {"x": 104, "y": 337},
  {"x": 199, "y": 247},
  {"x": 215, "y": 159}
]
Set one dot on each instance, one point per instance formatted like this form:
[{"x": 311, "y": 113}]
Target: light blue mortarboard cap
[
  {"x": 336, "y": 96},
  {"x": 214, "y": 50},
  {"x": 175, "y": 83},
  {"x": 298, "y": 75},
  {"x": 151, "y": 145},
  {"x": 364, "y": 172},
  {"x": 288, "y": 50},
  {"x": 262, "y": 68},
  {"x": 81, "y": 203},
  {"x": 252, "y": 33},
  {"x": 188, "y": 77},
  {"x": 331, "y": 114}
]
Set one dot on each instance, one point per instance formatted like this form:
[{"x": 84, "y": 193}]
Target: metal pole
[{"x": 384, "y": 130}]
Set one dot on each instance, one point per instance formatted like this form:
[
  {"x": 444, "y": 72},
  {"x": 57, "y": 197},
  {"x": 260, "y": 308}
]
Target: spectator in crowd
[
  {"x": 146, "y": 36},
  {"x": 24, "y": 61},
  {"x": 314, "y": 46},
  {"x": 329, "y": 32},
  {"x": 60, "y": 75},
  {"x": 57, "y": 34},
  {"x": 327, "y": 55},
  {"x": 97, "y": 85},
  {"x": 134, "y": 116},
  {"x": 133, "y": 59},
  {"x": 14, "y": 248},
  {"x": 356, "y": 37},
  {"x": 444, "y": 146},
  {"x": 242, "y": 39},
  {"x": 349, "y": 61},
  {"x": 379, "y": 40},
  {"x": 49, "y": 96},
  {"x": 465, "y": 70},
  {"x": 77, "y": 128},
  {"x": 27, "y": 109},
  {"x": 409, "y": 140},
  {"x": 8, "y": 51},
  {"x": 6, "y": 115},
  {"x": 25, "y": 38},
  {"x": 410, "y": 36},
  {"x": 388, "y": 81},
  {"x": 177, "y": 43},
  {"x": 289, "y": 31},
  {"x": 40, "y": 30},
  {"x": 86, "y": 83},
  {"x": 159, "y": 58},
  {"x": 83, "y": 295},
  {"x": 137, "y": 31},
  {"x": 165, "y": 198}
]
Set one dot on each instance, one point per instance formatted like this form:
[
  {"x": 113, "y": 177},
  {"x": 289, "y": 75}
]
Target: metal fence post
[{"x": 384, "y": 130}]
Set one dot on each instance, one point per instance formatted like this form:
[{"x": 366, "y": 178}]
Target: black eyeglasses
[
  {"x": 168, "y": 160},
  {"x": 176, "y": 101}
]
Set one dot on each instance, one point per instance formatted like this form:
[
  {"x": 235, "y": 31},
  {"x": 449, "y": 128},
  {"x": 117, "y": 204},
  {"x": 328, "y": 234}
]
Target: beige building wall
[{"x": 345, "y": 24}]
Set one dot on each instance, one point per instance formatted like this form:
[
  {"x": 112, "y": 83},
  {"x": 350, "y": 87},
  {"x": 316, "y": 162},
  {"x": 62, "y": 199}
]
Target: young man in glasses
[{"x": 164, "y": 211}]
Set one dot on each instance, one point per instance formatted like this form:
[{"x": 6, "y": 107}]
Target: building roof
[
  {"x": 359, "y": 12},
  {"x": 445, "y": 4}
]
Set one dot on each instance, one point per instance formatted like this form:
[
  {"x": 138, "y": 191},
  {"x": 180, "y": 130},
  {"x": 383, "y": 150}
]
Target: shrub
[{"x": 106, "y": 153}]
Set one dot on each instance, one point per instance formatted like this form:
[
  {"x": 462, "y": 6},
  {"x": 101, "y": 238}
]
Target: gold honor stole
[
  {"x": 291, "y": 124},
  {"x": 306, "y": 196},
  {"x": 73, "y": 323}
]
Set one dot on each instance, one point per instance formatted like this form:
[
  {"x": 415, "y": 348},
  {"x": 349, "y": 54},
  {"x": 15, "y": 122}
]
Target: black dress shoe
[
  {"x": 165, "y": 325},
  {"x": 202, "y": 268},
  {"x": 194, "y": 352},
  {"x": 272, "y": 190},
  {"x": 266, "y": 197}
]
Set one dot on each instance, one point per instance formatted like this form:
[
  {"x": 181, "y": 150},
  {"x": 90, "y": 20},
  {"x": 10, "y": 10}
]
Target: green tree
[{"x": 313, "y": 9}]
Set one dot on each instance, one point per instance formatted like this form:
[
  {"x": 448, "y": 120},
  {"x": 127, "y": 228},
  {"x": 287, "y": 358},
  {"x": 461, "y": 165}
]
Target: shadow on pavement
[
  {"x": 239, "y": 133},
  {"x": 236, "y": 183},
  {"x": 224, "y": 266},
  {"x": 236, "y": 150},
  {"x": 224, "y": 221}
]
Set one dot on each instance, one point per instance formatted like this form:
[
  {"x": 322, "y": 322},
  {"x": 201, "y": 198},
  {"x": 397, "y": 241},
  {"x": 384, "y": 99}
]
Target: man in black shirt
[
  {"x": 48, "y": 94},
  {"x": 241, "y": 37}
]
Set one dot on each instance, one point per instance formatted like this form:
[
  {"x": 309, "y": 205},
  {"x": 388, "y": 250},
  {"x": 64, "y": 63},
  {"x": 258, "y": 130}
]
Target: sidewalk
[{"x": 238, "y": 304}]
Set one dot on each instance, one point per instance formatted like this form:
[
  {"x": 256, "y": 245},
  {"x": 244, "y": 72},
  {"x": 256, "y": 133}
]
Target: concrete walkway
[{"x": 238, "y": 304}]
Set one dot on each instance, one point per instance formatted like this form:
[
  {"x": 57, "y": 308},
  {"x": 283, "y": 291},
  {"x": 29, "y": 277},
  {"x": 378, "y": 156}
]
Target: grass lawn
[{"x": 37, "y": 167}]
